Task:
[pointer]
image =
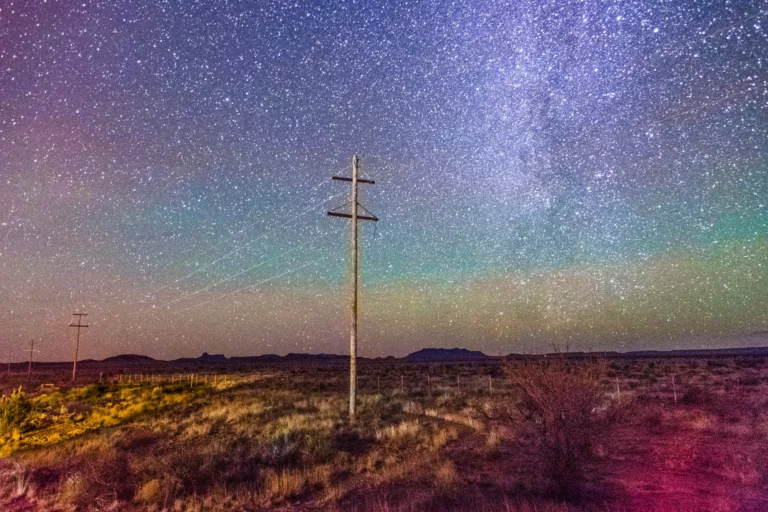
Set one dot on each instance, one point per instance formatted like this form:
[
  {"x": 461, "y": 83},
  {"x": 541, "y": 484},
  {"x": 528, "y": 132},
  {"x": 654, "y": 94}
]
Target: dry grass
[{"x": 281, "y": 439}]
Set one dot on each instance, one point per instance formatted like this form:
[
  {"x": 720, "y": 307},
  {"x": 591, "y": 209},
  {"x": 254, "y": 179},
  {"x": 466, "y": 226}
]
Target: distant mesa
[
  {"x": 445, "y": 354},
  {"x": 205, "y": 358}
]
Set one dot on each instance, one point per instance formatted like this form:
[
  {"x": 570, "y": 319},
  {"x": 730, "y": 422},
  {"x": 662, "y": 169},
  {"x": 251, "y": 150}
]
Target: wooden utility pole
[
  {"x": 79, "y": 325},
  {"x": 353, "y": 299},
  {"x": 31, "y": 351}
]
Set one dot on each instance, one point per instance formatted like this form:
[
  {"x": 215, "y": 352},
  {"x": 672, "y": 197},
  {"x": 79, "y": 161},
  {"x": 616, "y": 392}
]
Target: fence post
[{"x": 674, "y": 389}]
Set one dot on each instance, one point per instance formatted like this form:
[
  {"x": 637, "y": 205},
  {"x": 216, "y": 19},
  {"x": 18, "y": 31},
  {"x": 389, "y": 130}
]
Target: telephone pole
[
  {"x": 353, "y": 298},
  {"x": 79, "y": 325},
  {"x": 31, "y": 351}
]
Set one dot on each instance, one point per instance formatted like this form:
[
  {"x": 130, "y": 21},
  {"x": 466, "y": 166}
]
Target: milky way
[{"x": 547, "y": 172}]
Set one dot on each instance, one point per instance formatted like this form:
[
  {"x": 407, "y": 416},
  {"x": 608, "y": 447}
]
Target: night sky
[{"x": 547, "y": 172}]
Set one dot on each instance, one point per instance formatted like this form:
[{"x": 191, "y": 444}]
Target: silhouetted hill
[
  {"x": 703, "y": 352},
  {"x": 205, "y": 358},
  {"x": 445, "y": 354},
  {"x": 748, "y": 351},
  {"x": 440, "y": 355},
  {"x": 291, "y": 358},
  {"x": 128, "y": 358}
]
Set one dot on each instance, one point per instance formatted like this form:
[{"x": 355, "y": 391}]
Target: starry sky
[{"x": 582, "y": 173}]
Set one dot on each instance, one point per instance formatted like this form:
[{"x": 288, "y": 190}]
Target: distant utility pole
[
  {"x": 31, "y": 351},
  {"x": 79, "y": 325},
  {"x": 353, "y": 299},
  {"x": 9, "y": 358}
]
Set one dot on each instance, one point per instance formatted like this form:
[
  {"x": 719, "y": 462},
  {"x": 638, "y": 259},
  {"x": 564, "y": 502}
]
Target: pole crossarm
[
  {"x": 359, "y": 180},
  {"x": 79, "y": 325},
  {"x": 348, "y": 216}
]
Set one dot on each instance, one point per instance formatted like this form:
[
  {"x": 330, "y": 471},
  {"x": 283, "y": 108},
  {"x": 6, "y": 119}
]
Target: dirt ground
[{"x": 680, "y": 435}]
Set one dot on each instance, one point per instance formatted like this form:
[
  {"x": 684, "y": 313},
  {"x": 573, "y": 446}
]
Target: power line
[
  {"x": 229, "y": 278},
  {"x": 240, "y": 248},
  {"x": 237, "y": 249},
  {"x": 247, "y": 226},
  {"x": 289, "y": 204},
  {"x": 252, "y": 285}
]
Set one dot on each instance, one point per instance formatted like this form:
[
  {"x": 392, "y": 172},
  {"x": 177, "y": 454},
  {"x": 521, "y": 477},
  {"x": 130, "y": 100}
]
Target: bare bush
[
  {"x": 560, "y": 402},
  {"x": 697, "y": 395}
]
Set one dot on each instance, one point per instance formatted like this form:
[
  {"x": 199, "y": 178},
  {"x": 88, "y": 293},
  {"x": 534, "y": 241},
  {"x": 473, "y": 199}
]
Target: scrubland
[{"x": 543, "y": 435}]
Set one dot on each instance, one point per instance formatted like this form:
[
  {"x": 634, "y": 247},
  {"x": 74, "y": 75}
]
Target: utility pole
[
  {"x": 31, "y": 351},
  {"x": 353, "y": 299},
  {"x": 79, "y": 325},
  {"x": 9, "y": 358}
]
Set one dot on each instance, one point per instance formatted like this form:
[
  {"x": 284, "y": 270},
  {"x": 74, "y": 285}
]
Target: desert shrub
[
  {"x": 559, "y": 401},
  {"x": 451, "y": 401},
  {"x": 697, "y": 396},
  {"x": 283, "y": 448},
  {"x": 89, "y": 392},
  {"x": 749, "y": 380},
  {"x": 150, "y": 492},
  {"x": 15, "y": 410},
  {"x": 73, "y": 490},
  {"x": 284, "y": 484},
  {"x": 158, "y": 491},
  {"x": 377, "y": 407},
  {"x": 404, "y": 433},
  {"x": 291, "y": 483},
  {"x": 318, "y": 446},
  {"x": 445, "y": 476},
  {"x": 755, "y": 362}
]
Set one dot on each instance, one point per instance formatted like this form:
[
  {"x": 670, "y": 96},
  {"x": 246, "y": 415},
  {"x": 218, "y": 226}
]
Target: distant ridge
[
  {"x": 128, "y": 358},
  {"x": 436, "y": 355},
  {"x": 747, "y": 351},
  {"x": 205, "y": 358},
  {"x": 704, "y": 352},
  {"x": 292, "y": 357},
  {"x": 445, "y": 354}
]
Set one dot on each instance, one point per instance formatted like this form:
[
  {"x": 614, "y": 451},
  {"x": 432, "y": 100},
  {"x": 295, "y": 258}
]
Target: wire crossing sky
[{"x": 590, "y": 173}]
